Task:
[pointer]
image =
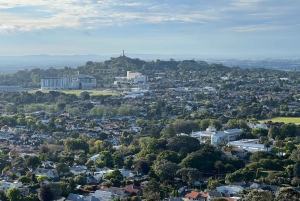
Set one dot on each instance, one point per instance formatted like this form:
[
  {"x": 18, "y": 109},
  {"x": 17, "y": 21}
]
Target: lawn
[
  {"x": 286, "y": 120},
  {"x": 78, "y": 92}
]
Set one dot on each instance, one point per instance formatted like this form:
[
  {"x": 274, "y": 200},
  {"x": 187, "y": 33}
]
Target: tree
[
  {"x": 85, "y": 95},
  {"x": 62, "y": 169},
  {"x": 79, "y": 179},
  {"x": 189, "y": 175},
  {"x": 273, "y": 132},
  {"x": 166, "y": 169},
  {"x": 13, "y": 194},
  {"x": 288, "y": 130},
  {"x": 115, "y": 174},
  {"x": 218, "y": 166},
  {"x": 260, "y": 195},
  {"x": 279, "y": 144},
  {"x": 296, "y": 169},
  {"x": 3, "y": 196},
  {"x": 142, "y": 166},
  {"x": 295, "y": 181},
  {"x": 267, "y": 144},
  {"x": 260, "y": 132},
  {"x": 169, "y": 131},
  {"x": 24, "y": 179},
  {"x": 287, "y": 193},
  {"x": 118, "y": 159},
  {"x": 42, "y": 178},
  {"x": 45, "y": 193},
  {"x": 216, "y": 123},
  {"x": 219, "y": 199},
  {"x": 105, "y": 158},
  {"x": 56, "y": 188},
  {"x": 89, "y": 163},
  {"x": 168, "y": 155},
  {"x": 32, "y": 161},
  {"x": 178, "y": 142},
  {"x": 74, "y": 134},
  {"x": 151, "y": 189},
  {"x": 212, "y": 184},
  {"x": 290, "y": 147}
]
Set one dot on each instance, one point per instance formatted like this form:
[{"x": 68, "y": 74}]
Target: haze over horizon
[{"x": 266, "y": 28}]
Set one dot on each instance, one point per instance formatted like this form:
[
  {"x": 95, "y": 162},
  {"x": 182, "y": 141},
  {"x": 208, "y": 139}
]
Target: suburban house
[
  {"x": 51, "y": 173},
  {"x": 196, "y": 196},
  {"x": 5, "y": 185}
]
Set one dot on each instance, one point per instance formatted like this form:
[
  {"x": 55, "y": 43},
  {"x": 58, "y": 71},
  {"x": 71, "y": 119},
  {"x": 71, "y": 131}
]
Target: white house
[
  {"x": 51, "y": 173},
  {"x": 5, "y": 185}
]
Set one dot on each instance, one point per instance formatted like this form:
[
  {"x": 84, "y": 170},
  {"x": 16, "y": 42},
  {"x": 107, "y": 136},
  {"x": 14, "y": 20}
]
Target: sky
[{"x": 268, "y": 28}]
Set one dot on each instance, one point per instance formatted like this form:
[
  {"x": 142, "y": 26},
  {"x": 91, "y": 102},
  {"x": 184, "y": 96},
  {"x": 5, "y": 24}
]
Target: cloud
[
  {"x": 6, "y": 28},
  {"x": 257, "y": 28},
  {"x": 28, "y": 15},
  {"x": 87, "y": 14}
]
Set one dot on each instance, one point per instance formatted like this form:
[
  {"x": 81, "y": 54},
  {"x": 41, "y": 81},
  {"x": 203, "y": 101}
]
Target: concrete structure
[
  {"x": 133, "y": 78},
  {"x": 251, "y": 145},
  {"x": 77, "y": 82}
]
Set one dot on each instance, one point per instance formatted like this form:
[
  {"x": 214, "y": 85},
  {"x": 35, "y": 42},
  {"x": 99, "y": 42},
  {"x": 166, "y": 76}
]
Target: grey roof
[
  {"x": 214, "y": 194},
  {"x": 75, "y": 197}
]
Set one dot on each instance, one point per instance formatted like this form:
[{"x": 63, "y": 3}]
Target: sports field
[
  {"x": 78, "y": 92},
  {"x": 286, "y": 120}
]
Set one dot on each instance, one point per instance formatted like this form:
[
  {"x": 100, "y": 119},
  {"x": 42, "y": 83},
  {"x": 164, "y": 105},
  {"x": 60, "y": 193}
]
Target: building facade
[
  {"x": 60, "y": 83},
  {"x": 133, "y": 78}
]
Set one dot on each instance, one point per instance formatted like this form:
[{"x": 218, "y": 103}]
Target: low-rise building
[
  {"x": 76, "y": 82},
  {"x": 5, "y": 185},
  {"x": 251, "y": 145}
]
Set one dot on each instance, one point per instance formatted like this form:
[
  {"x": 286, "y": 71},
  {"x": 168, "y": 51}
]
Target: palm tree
[
  {"x": 279, "y": 144},
  {"x": 267, "y": 145}
]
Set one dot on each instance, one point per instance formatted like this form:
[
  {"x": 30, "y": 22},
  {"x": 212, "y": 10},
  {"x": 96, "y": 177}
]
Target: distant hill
[{"x": 103, "y": 71}]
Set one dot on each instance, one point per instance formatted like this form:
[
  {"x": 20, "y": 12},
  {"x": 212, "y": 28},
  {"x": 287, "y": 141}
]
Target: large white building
[
  {"x": 133, "y": 78},
  {"x": 225, "y": 136},
  {"x": 77, "y": 82},
  {"x": 217, "y": 137}
]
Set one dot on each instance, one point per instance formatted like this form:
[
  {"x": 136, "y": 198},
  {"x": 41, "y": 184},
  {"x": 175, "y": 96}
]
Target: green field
[
  {"x": 78, "y": 92},
  {"x": 286, "y": 120}
]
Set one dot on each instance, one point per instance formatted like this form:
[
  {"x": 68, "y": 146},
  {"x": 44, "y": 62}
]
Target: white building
[
  {"x": 225, "y": 136},
  {"x": 134, "y": 78},
  {"x": 77, "y": 82},
  {"x": 251, "y": 145},
  {"x": 203, "y": 136},
  {"x": 217, "y": 137},
  {"x": 5, "y": 185}
]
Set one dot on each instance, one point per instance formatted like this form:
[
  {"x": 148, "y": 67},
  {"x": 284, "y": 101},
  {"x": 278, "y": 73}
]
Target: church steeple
[{"x": 123, "y": 53}]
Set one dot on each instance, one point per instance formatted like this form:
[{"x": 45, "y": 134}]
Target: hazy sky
[{"x": 198, "y": 27}]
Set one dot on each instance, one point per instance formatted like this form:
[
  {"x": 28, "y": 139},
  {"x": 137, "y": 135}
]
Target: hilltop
[{"x": 104, "y": 71}]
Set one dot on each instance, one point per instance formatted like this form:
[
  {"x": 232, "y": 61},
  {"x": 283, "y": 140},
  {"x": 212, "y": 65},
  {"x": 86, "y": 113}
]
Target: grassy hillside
[{"x": 286, "y": 120}]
